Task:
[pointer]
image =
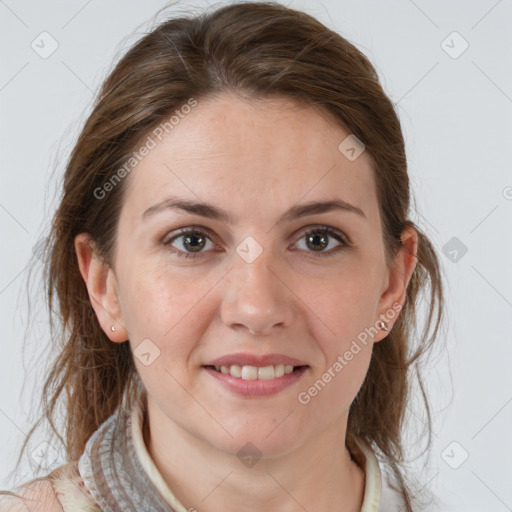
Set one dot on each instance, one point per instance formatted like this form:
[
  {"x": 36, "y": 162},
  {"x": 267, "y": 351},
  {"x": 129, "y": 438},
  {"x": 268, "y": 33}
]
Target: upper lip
[{"x": 245, "y": 359}]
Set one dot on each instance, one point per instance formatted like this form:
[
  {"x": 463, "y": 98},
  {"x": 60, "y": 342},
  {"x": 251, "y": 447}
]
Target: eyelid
[
  {"x": 186, "y": 230},
  {"x": 332, "y": 231}
]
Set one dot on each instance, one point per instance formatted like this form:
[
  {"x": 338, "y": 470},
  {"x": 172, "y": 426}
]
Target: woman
[{"x": 237, "y": 278}]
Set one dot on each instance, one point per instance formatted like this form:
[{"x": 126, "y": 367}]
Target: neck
[{"x": 320, "y": 475}]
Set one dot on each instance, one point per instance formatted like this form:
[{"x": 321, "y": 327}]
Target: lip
[
  {"x": 256, "y": 388},
  {"x": 246, "y": 359}
]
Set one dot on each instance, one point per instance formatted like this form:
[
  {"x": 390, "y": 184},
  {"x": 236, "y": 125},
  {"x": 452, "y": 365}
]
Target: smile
[
  {"x": 247, "y": 372},
  {"x": 254, "y": 381}
]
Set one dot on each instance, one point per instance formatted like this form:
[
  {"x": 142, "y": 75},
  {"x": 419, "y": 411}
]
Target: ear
[
  {"x": 398, "y": 277},
  {"x": 102, "y": 287}
]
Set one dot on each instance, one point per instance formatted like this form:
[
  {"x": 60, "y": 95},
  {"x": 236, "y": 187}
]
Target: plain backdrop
[{"x": 448, "y": 68}]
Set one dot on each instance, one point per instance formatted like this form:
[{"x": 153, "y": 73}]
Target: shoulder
[
  {"x": 38, "y": 496},
  {"x": 60, "y": 491}
]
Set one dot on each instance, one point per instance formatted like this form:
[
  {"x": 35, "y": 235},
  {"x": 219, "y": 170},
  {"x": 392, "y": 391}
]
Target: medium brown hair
[{"x": 257, "y": 50}]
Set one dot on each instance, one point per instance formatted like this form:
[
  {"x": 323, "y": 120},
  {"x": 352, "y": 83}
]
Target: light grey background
[{"x": 456, "y": 110}]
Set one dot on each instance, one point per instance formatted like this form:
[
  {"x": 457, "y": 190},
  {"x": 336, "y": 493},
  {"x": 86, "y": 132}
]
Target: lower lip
[{"x": 257, "y": 387}]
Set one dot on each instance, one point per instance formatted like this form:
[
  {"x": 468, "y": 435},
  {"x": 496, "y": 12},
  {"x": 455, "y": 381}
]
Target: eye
[
  {"x": 190, "y": 239},
  {"x": 319, "y": 238}
]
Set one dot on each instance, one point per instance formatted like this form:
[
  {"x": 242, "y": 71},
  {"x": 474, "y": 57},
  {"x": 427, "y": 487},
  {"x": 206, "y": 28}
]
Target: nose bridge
[
  {"x": 256, "y": 297},
  {"x": 259, "y": 274}
]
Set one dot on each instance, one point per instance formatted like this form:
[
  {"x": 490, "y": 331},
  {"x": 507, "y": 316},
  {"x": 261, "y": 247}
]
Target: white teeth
[
  {"x": 288, "y": 368},
  {"x": 266, "y": 373},
  {"x": 279, "y": 370},
  {"x": 249, "y": 372},
  {"x": 256, "y": 372},
  {"x": 235, "y": 370}
]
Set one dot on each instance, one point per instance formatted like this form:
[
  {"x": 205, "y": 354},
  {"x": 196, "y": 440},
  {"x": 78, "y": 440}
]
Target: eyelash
[{"x": 326, "y": 230}]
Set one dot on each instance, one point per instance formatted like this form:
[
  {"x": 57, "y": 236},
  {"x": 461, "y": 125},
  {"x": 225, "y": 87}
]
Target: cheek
[
  {"x": 335, "y": 387},
  {"x": 162, "y": 320},
  {"x": 158, "y": 301},
  {"x": 346, "y": 305},
  {"x": 166, "y": 313},
  {"x": 344, "y": 315}
]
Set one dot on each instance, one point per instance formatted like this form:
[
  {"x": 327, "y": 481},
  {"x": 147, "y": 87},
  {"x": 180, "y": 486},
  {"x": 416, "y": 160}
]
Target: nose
[{"x": 257, "y": 297}]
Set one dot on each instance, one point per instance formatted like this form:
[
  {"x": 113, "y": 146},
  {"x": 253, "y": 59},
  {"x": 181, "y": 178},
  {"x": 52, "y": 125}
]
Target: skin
[{"x": 254, "y": 159}]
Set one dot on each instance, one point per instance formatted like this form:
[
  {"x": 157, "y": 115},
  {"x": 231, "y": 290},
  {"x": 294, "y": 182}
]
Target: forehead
[{"x": 248, "y": 155}]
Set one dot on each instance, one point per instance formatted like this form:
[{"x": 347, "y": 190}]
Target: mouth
[
  {"x": 256, "y": 381},
  {"x": 247, "y": 372},
  {"x": 256, "y": 375}
]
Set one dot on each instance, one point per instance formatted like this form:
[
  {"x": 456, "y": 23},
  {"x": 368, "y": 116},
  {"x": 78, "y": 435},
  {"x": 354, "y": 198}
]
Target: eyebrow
[{"x": 213, "y": 212}]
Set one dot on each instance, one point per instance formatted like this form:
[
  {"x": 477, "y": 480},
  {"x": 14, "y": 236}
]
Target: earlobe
[
  {"x": 101, "y": 284},
  {"x": 393, "y": 296}
]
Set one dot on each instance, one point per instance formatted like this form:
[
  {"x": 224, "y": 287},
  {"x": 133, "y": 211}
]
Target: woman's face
[{"x": 259, "y": 277}]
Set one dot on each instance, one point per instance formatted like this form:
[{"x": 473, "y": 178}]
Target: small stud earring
[
  {"x": 382, "y": 325},
  {"x": 113, "y": 328}
]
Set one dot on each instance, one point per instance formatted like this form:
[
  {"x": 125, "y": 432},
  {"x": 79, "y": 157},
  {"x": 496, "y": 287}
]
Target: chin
[{"x": 250, "y": 441}]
